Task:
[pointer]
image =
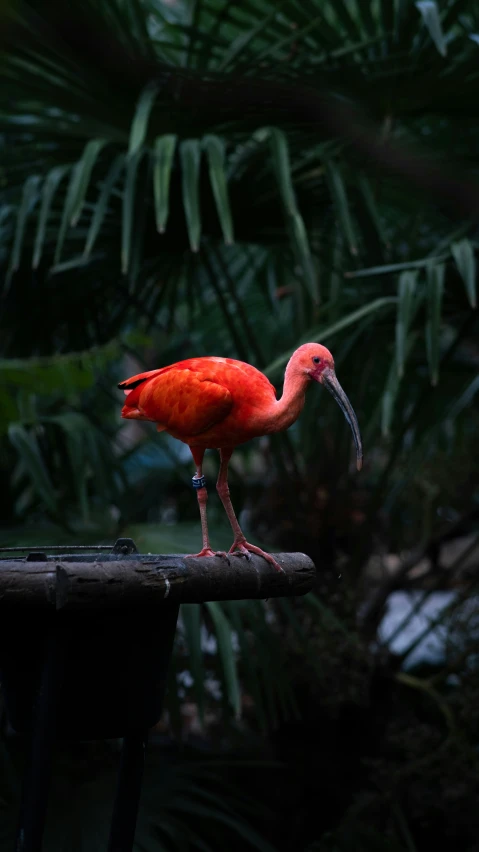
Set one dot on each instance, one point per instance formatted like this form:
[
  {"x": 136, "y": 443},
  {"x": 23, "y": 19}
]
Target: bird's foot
[
  {"x": 244, "y": 548},
  {"x": 207, "y": 551}
]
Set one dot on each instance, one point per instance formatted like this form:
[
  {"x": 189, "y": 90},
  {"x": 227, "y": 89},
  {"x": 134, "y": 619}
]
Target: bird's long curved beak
[{"x": 330, "y": 381}]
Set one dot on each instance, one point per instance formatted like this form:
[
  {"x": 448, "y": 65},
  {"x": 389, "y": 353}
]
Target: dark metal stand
[
  {"x": 104, "y": 677},
  {"x": 95, "y": 660},
  {"x": 128, "y": 789},
  {"x": 37, "y": 775}
]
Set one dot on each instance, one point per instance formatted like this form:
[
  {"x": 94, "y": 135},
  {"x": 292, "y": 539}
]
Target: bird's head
[{"x": 317, "y": 363}]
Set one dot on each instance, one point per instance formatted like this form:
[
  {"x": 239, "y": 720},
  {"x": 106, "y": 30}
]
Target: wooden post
[{"x": 62, "y": 583}]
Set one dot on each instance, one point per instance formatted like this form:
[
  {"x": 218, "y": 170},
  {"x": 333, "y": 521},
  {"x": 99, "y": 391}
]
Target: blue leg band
[{"x": 198, "y": 482}]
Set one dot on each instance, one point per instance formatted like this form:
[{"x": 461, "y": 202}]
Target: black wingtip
[{"x": 131, "y": 385}]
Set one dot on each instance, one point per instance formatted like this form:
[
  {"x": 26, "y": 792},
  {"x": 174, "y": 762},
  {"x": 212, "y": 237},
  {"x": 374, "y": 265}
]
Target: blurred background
[{"x": 197, "y": 177}]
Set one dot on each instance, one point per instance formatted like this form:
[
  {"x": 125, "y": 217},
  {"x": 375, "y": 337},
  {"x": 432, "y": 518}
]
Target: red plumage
[{"x": 205, "y": 402}]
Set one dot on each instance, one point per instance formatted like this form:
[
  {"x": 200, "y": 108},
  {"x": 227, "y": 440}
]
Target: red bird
[{"x": 217, "y": 403}]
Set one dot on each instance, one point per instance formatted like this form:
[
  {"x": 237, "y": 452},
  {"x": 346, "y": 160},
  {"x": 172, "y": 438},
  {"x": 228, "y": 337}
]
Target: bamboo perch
[{"x": 61, "y": 584}]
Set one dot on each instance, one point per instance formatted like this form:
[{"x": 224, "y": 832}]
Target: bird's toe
[
  {"x": 207, "y": 552},
  {"x": 203, "y": 553},
  {"x": 244, "y": 553},
  {"x": 223, "y": 555},
  {"x": 244, "y": 548}
]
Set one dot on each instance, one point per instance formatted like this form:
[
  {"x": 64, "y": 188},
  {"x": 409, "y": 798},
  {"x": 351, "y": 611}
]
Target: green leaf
[
  {"x": 227, "y": 657},
  {"x": 341, "y": 205},
  {"x": 349, "y": 21},
  {"x": 465, "y": 399},
  {"x": 190, "y": 153},
  {"x": 304, "y": 254},
  {"x": 406, "y": 291},
  {"x": 101, "y": 205},
  {"x": 388, "y": 399},
  {"x": 435, "y": 290},
  {"x": 139, "y": 125},
  {"x": 78, "y": 262},
  {"x": 364, "y": 11},
  {"x": 277, "y": 47},
  {"x": 215, "y": 149},
  {"x": 190, "y": 614},
  {"x": 179, "y": 833},
  {"x": 395, "y": 267},
  {"x": 190, "y": 806},
  {"x": 29, "y": 199},
  {"x": 163, "y": 162},
  {"x": 370, "y": 202},
  {"x": 28, "y": 450},
  {"x": 198, "y": 842},
  {"x": 98, "y": 453},
  {"x": 85, "y": 168},
  {"x": 128, "y": 211},
  {"x": 294, "y": 219},
  {"x": 248, "y": 661},
  {"x": 279, "y": 146},
  {"x": 244, "y": 39},
  {"x": 463, "y": 255},
  {"x": 288, "y": 610},
  {"x": 74, "y": 425},
  {"x": 392, "y": 387},
  {"x": 69, "y": 372},
  {"x": 141, "y": 210},
  {"x": 50, "y": 186},
  {"x": 327, "y": 615},
  {"x": 275, "y": 680},
  {"x": 72, "y": 192},
  {"x": 336, "y": 280},
  {"x": 432, "y": 20}
]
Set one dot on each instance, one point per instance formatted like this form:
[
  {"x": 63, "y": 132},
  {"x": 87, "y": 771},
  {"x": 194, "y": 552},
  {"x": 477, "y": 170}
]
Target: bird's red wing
[{"x": 182, "y": 401}]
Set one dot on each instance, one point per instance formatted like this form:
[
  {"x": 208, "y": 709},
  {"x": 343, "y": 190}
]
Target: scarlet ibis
[{"x": 218, "y": 403}]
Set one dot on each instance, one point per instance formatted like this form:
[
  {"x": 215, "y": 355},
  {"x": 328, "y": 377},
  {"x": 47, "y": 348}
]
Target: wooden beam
[{"x": 135, "y": 580}]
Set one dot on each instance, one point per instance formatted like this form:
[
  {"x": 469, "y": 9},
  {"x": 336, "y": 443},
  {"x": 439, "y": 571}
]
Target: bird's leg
[
  {"x": 240, "y": 545},
  {"x": 202, "y": 495}
]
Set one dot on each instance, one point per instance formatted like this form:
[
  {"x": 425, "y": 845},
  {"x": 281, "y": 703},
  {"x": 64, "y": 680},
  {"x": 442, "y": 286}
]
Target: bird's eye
[{"x": 316, "y": 360}]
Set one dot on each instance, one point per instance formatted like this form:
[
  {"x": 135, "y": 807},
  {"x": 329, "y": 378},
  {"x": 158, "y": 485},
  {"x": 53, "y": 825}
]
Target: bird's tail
[
  {"x": 132, "y": 388},
  {"x": 135, "y": 381}
]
